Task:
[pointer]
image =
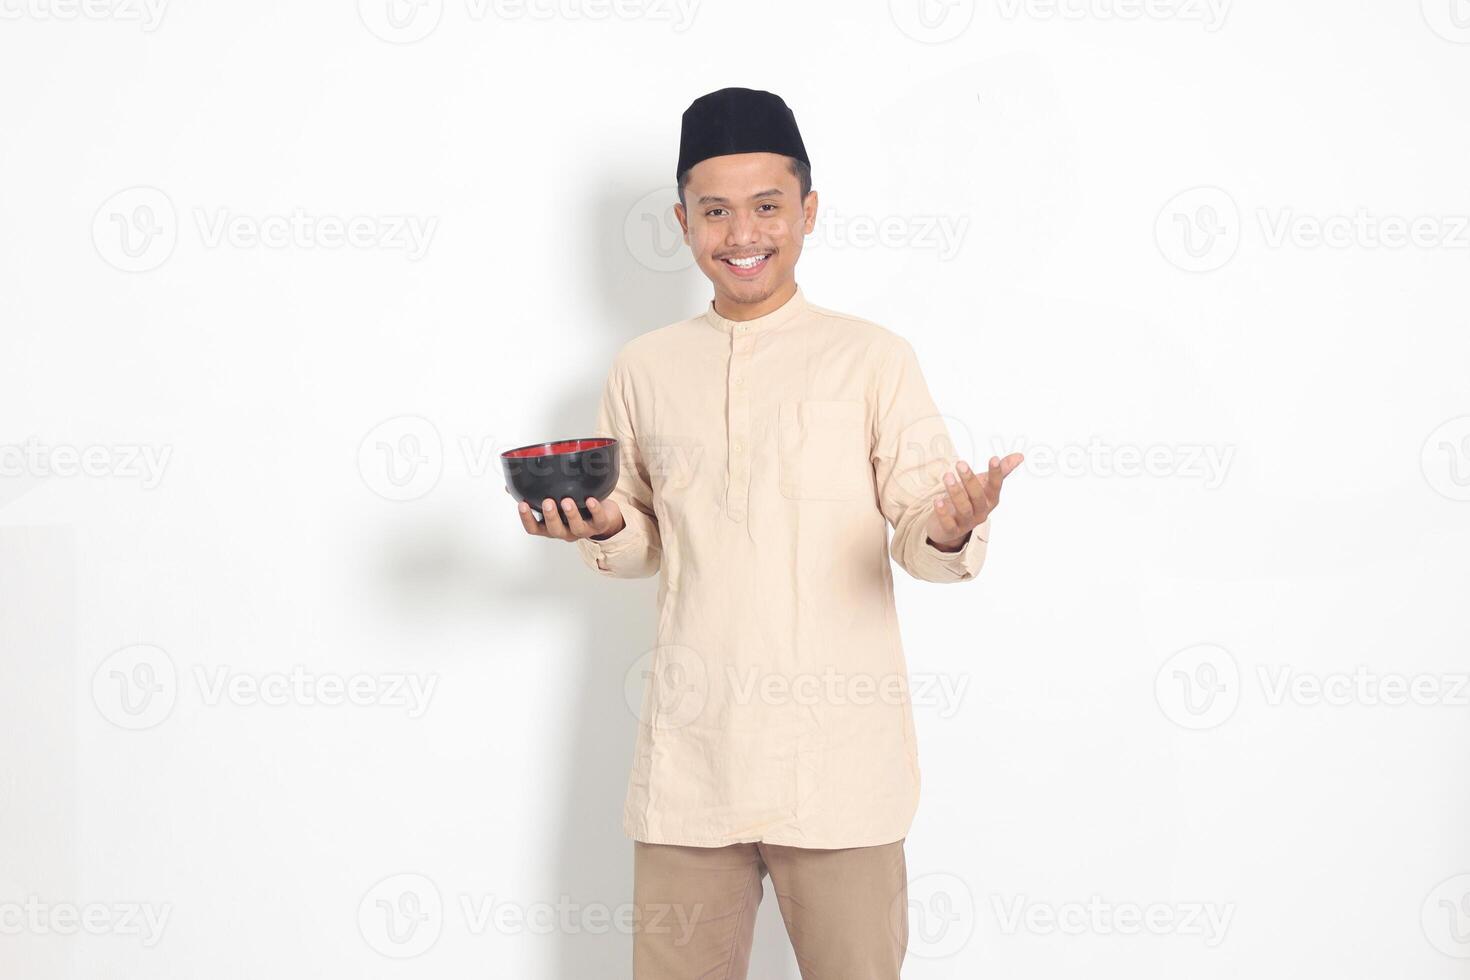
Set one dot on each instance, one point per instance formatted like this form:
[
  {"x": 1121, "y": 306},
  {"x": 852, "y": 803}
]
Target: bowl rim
[{"x": 551, "y": 447}]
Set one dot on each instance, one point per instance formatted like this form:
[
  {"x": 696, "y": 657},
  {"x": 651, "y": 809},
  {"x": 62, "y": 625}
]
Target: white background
[{"x": 1177, "y": 234}]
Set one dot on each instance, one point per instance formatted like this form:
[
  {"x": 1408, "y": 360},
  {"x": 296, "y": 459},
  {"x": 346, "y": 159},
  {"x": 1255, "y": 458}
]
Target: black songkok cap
[{"x": 737, "y": 120}]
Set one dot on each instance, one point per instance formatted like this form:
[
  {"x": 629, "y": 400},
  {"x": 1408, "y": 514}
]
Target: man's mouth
[{"x": 746, "y": 266}]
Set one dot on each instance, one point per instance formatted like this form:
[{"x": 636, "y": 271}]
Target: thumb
[{"x": 604, "y": 513}]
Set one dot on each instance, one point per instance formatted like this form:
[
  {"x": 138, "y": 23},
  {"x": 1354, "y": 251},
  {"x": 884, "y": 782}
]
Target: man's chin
[{"x": 748, "y": 291}]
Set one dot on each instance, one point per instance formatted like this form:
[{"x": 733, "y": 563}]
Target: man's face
[{"x": 744, "y": 220}]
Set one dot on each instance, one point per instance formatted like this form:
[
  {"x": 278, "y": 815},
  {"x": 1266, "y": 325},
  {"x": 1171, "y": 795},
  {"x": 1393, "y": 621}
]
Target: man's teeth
[{"x": 748, "y": 263}]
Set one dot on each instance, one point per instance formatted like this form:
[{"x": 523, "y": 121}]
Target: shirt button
[
  {"x": 739, "y": 380},
  {"x": 739, "y": 448}
]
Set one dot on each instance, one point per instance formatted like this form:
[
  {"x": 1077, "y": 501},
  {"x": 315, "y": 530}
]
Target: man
[{"x": 765, "y": 447}]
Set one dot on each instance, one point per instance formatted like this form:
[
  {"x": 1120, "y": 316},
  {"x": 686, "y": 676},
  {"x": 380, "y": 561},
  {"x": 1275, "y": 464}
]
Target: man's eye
[
  {"x": 713, "y": 212},
  {"x": 771, "y": 206}
]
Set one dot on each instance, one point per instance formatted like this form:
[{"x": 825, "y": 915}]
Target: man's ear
[
  {"x": 809, "y": 209},
  {"x": 683, "y": 221}
]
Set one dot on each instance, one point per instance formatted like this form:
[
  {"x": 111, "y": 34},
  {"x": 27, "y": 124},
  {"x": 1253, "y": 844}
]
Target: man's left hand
[{"x": 971, "y": 498}]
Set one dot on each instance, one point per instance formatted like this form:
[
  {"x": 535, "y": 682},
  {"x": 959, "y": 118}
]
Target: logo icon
[
  {"x": 929, "y": 440},
  {"x": 1199, "y": 229},
  {"x": 1198, "y": 687},
  {"x": 400, "y": 21},
  {"x": 666, "y": 688},
  {"x": 401, "y": 459},
  {"x": 136, "y": 687},
  {"x": 401, "y": 916},
  {"x": 932, "y": 21},
  {"x": 1445, "y": 459},
  {"x": 1450, "y": 19},
  {"x": 652, "y": 234},
  {"x": 1445, "y": 917},
  {"x": 136, "y": 229},
  {"x": 941, "y": 915}
]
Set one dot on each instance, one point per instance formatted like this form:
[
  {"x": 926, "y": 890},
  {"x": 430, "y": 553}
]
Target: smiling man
[{"x": 767, "y": 447}]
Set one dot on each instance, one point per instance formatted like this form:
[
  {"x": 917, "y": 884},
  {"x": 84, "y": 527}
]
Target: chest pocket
[{"x": 822, "y": 450}]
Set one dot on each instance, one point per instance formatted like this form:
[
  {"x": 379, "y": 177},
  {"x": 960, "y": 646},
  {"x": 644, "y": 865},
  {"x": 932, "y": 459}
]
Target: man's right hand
[{"x": 566, "y": 522}]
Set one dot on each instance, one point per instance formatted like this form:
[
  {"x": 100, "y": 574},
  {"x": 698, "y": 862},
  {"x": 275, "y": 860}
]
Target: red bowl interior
[{"x": 554, "y": 448}]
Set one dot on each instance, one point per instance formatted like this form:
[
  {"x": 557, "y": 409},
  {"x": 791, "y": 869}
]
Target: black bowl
[{"x": 576, "y": 468}]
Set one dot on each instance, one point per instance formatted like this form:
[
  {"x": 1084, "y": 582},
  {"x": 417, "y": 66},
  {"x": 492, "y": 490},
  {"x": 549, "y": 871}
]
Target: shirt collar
[{"x": 781, "y": 314}]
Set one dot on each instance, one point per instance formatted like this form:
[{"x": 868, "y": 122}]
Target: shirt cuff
[
  {"x": 603, "y": 555},
  {"x": 953, "y": 566}
]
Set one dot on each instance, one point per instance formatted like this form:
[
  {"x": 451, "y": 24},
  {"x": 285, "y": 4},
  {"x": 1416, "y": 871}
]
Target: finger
[
  {"x": 975, "y": 489},
  {"x": 974, "y": 482},
  {"x": 600, "y": 519},
  {"x": 529, "y": 522},
  {"x": 959, "y": 498},
  {"x": 575, "y": 524},
  {"x": 1009, "y": 464},
  {"x": 555, "y": 526},
  {"x": 993, "y": 478},
  {"x": 947, "y": 526},
  {"x": 994, "y": 486}
]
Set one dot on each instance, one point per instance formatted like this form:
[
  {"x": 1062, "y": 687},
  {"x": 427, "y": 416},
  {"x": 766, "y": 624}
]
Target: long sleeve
[
  {"x": 912, "y": 451},
  {"x": 636, "y": 550}
]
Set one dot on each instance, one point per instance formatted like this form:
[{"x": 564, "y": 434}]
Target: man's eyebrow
[{"x": 711, "y": 199}]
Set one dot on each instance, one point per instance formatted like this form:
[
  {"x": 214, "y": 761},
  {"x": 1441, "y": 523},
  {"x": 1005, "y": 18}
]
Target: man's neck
[{"x": 743, "y": 311}]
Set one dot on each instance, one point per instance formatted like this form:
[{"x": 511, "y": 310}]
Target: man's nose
[{"x": 742, "y": 229}]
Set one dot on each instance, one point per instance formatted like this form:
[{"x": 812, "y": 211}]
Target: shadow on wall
[
  {"x": 633, "y": 243},
  {"x": 614, "y": 618}
]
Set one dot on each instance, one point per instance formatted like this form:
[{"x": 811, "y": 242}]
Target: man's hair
[{"x": 800, "y": 170}]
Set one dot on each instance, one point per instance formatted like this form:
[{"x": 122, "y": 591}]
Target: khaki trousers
[{"x": 845, "y": 910}]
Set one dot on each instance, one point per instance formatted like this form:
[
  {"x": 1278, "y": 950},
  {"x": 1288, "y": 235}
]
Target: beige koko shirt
[{"x": 760, "y": 460}]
